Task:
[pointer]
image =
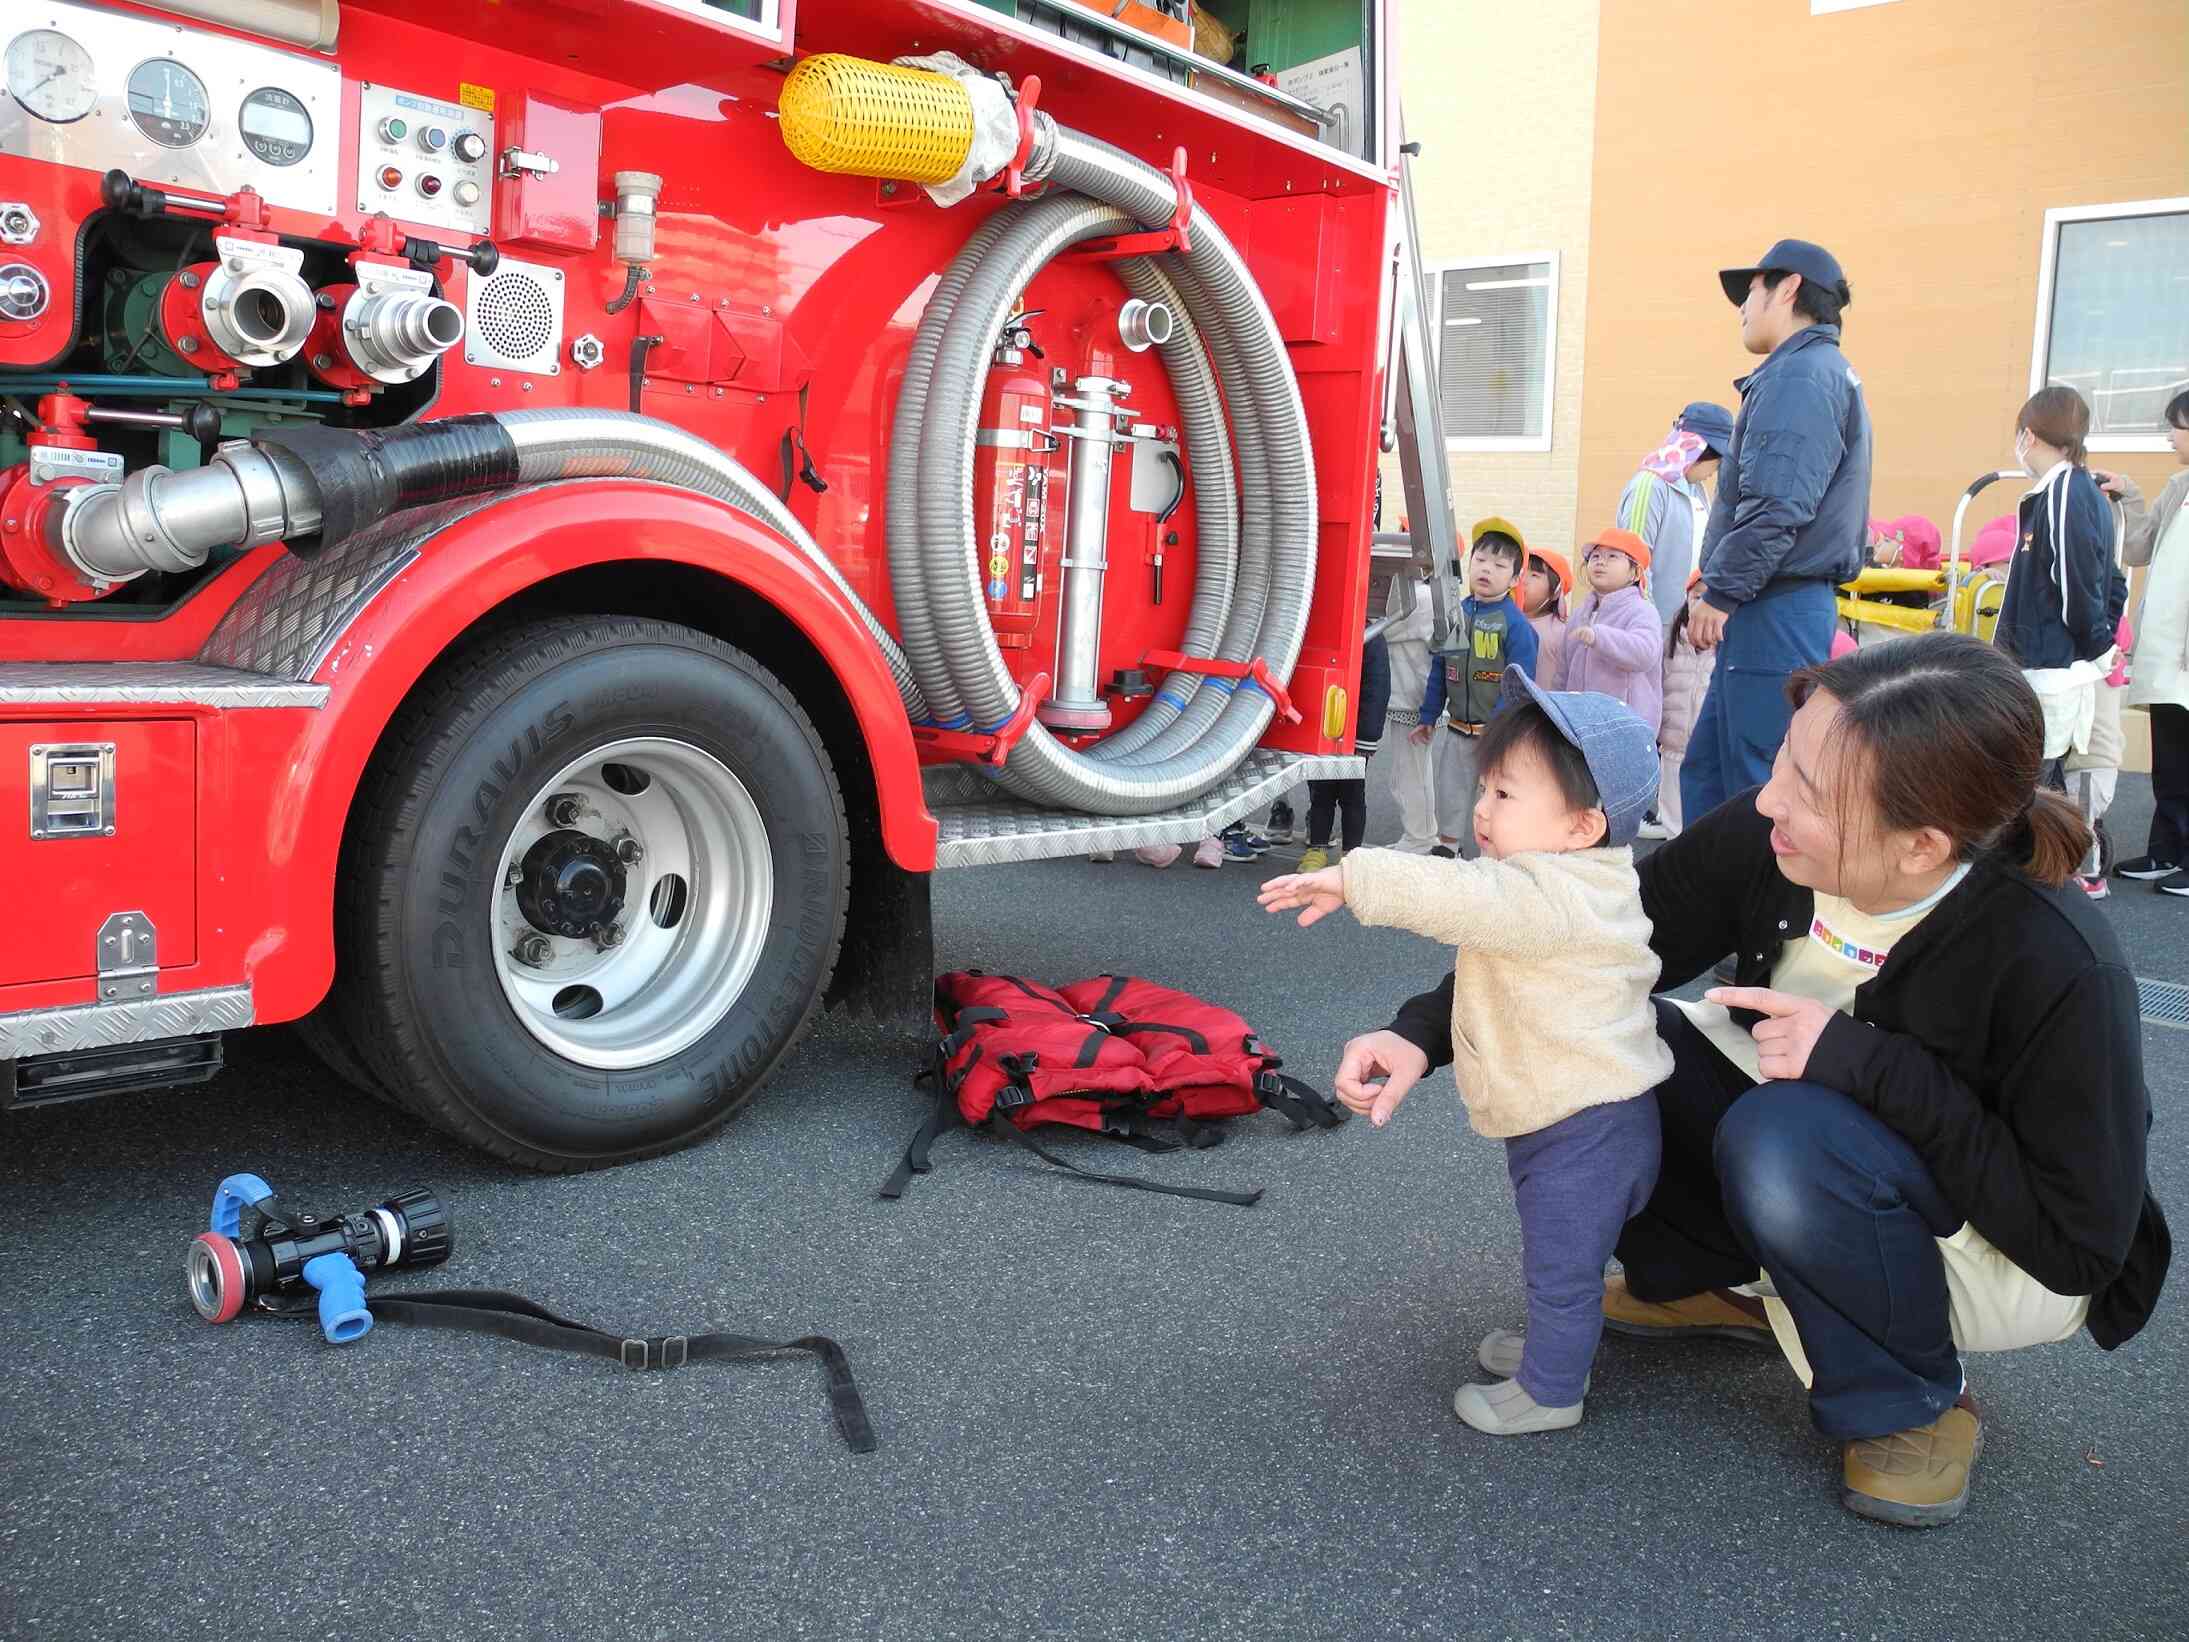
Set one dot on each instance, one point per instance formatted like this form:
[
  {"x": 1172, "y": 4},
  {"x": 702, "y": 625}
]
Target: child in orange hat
[
  {"x": 1614, "y": 641},
  {"x": 1545, "y": 584}
]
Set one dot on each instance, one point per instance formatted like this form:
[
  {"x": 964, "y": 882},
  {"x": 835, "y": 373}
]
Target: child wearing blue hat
[{"x": 1553, "y": 909}]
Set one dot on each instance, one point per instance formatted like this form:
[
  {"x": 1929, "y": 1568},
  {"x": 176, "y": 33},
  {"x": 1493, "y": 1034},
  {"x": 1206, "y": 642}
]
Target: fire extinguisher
[{"x": 1019, "y": 487}]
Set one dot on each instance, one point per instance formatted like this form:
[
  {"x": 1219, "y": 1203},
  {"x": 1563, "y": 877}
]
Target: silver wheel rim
[{"x": 684, "y": 957}]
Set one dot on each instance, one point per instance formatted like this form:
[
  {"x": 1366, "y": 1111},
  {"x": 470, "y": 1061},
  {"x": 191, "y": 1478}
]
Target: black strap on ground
[
  {"x": 1003, "y": 1125},
  {"x": 1130, "y": 1125},
  {"x": 513, "y": 1317},
  {"x": 1302, "y": 1105},
  {"x": 915, "y": 1159}
]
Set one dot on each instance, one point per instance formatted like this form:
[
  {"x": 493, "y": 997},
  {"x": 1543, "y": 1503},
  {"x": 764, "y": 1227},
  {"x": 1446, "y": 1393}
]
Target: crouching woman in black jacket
[{"x": 1916, "y": 1125}]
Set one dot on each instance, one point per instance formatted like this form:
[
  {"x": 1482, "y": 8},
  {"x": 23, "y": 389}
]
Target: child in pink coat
[{"x": 1614, "y": 641}]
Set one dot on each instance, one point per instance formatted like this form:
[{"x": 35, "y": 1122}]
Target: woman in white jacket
[{"x": 2159, "y": 674}]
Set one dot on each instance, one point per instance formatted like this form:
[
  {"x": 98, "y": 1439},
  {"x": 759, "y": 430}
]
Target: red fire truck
[{"x": 529, "y": 529}]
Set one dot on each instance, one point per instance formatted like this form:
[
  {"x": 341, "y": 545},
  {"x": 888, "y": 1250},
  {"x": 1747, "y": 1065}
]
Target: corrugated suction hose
[{"x": 1256, "y": 559}]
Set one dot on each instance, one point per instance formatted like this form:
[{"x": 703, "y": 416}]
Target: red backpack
[{"x": 1107, "y": 1054}]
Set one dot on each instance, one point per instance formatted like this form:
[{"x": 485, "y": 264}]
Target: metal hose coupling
[
  {"x": 393, "y": 336},
  {"x": 158, "y": 519}
]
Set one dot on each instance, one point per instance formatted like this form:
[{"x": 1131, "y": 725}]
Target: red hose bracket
[
  {"x": 1256, "y": 671},
  {"x": 1175, "y": 235},
  {"x": 1014, "y": 174},
  {"x": 990, "y": 747}
]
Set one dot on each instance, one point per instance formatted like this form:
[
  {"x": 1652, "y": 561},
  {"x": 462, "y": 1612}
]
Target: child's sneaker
[
  {"x": 1444, "y": 852},
  {"x": 1102, "y": 857},
  {"x": 1242, "y": 845},
  {"x": 1500, "y": 1354},
  {"x": 2093, "y": 885},
  {"x": 1280, "y": 822},
  {"x": 1157, "y": 855},
  {"x": 2145, "y": 868},
  {"x": 1208, "y": 853},
  {"x": 1654, "y": 826},
  {"x": 1505, "y": 1410},
  {"x": 1314, "y": 860}
]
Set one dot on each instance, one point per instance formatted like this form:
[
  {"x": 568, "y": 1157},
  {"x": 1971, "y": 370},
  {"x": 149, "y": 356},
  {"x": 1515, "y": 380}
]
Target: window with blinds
[{"x": 1496, "y": 336}]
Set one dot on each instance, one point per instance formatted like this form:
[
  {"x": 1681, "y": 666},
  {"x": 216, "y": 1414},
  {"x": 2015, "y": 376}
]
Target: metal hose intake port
[
  {"x": 394, "y": 336},
  {"x": 851, "y": 117},
  {"x": 1144, "y": 325},
  {"x": 256, "y": 309}
]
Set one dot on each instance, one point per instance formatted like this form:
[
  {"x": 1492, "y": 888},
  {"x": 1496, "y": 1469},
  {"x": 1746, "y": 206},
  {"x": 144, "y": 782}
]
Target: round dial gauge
[
  {"x": 168, "y": 103},
  {"x": 50, "y": 75},
  {"x": 275, "y": 126}
]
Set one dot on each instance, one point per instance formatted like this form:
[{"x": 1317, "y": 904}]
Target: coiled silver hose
[{"x": 1249, "y": 602}]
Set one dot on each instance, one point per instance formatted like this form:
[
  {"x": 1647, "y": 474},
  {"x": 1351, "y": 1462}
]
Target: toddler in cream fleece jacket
[{"x": 1553, "y": 909}]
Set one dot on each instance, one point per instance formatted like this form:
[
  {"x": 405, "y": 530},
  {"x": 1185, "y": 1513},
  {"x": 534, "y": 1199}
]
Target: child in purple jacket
[{"x": 1615, "y": 643}]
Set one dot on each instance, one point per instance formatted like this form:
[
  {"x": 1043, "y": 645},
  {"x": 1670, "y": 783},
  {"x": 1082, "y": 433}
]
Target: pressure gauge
[
  {"x": 275, "y": 126},
  {"x": 168, "y": 102},
  {"x": 50, "y": 75}
]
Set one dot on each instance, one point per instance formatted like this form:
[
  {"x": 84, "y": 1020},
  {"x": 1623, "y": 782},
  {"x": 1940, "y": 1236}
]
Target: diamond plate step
[
  {"x": 980, "y": 831},
  {"x": 148, "y": 683}
]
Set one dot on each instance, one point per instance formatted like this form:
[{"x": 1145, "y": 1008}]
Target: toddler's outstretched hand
[{"x": 1318, "y": 894}]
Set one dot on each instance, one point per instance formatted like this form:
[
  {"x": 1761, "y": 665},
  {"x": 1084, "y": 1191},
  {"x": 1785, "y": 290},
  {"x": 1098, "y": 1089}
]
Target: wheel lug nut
[
  {"x": 564, "y": 809},
  {"x": 515, "y": 876},
  {"x": 629, "y": 850},
  {"x": 533, "y": 951},
  {"x": 608, "y": 935}
]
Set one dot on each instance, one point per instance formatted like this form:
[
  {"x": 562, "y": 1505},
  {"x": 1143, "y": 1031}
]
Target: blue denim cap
[
  {"x": 1814, "y": 263},
  {"x": 1713, "y": 424},
  {"x": 1617, "y": 746}
]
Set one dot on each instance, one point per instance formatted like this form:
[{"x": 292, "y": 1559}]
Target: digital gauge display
[
  {"x": 168, "y": 103},
  {"x": 50, "y": 75},
  {"x": 275, "y": 126}
]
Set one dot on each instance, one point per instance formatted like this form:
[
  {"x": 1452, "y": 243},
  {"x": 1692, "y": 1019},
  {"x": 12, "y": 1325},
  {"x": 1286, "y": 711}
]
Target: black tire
[
  {"x": 417, "y": 990},
  {"x": 323, "y": 1034}
]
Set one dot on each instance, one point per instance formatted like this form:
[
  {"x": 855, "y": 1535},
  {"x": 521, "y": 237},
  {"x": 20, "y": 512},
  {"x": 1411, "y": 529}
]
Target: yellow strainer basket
[{"x": 857, "y": 118}]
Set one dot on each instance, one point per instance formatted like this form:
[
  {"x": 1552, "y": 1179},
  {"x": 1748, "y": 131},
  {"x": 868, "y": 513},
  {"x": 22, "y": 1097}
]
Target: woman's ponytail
[{"x": 2050, "y": 840}]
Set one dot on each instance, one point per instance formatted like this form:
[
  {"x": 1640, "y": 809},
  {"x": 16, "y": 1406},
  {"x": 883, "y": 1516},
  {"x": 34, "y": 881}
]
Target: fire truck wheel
[
  {"x": 323, "y": 1033},
  {"x": 592, "y": 890}
]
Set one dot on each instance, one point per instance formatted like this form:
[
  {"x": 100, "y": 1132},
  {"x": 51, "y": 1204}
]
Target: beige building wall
[
  {"x": 1501, "y": 98},
  {"x": 1922, "y": 141}
]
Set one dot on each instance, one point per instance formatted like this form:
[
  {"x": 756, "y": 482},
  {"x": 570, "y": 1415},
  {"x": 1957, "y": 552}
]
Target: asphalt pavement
[{"x": 1103, "y": 1414}]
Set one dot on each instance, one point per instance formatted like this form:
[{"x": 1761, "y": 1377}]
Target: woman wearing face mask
[
  {"x": 1921, "y": 1112},
  {"x": 2064, "y": 592},
  {"x": 1667, "y": 502}
]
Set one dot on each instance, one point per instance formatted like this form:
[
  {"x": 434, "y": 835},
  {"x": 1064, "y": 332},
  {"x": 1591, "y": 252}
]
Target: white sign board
[{"x": 1336, "y": 85}]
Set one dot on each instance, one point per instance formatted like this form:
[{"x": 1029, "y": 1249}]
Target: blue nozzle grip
[{"x": 342, "y": 1313}]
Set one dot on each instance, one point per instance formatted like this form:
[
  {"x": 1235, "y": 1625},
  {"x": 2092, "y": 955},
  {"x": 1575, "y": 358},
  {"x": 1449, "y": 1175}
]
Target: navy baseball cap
[
  {"x": 1790, "y": 256},
  {"x": 1617, "y": 746},
  {"x": 1713, "y": 424}
]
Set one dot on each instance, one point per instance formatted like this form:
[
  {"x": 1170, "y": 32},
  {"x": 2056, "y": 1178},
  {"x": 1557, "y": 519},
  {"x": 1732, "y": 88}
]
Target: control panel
[
  {"x": 168, "y": 105},
  {"x": 425, "y": 161}
]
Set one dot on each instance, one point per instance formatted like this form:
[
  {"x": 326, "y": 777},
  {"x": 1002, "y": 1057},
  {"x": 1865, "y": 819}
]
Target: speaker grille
[{"x": 514, "y": 319}]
